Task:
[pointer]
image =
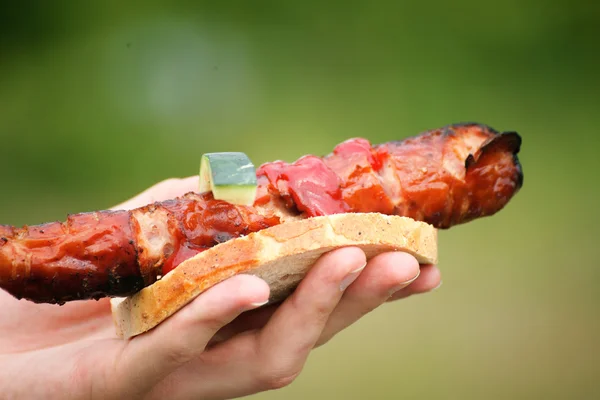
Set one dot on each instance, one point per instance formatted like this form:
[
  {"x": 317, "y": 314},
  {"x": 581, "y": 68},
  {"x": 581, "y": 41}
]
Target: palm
[{"x": 35, "y": 326}]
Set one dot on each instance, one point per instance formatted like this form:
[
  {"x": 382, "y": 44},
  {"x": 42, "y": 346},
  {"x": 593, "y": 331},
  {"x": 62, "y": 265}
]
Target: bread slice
[{"x": 280, "y": 255}]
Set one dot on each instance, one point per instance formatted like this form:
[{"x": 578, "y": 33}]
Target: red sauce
[
  {"x": 182, "y": 253},
  {"x": 361, "y": 147},
  {"x": 345, "y": 181},
  {"x": 357, "y": 165},
  {"x": 205, "y": 222},
  {"x": 308, "y": 184},
  {"x": 90, "y": 255}
]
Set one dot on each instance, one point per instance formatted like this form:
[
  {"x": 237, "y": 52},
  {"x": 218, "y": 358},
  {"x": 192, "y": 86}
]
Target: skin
[{"x": 216, "y": 347}]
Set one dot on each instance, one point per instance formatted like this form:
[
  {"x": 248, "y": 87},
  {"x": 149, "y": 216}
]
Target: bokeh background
[{"x": 99, "y": 100}]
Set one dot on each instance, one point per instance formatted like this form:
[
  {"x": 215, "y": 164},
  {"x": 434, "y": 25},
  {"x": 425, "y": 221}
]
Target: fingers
[
  {"x": 384, "y": 279},
  {"x": 385, "y": 275},
  {"x": 286, "y": 341},
  {"x": 165, "y": 190},
  {"x": 184, "y": 336},
  {"x": 248, "y": 321},
  {"x": 429, "y": 279},
  {"x": 270, "y": 357},
  {"x": 278, "y": 339}
]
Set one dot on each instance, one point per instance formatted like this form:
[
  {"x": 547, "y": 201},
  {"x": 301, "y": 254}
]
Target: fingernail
[
  {"x": 404, "y": 284},
  {"x": 351, "y": 277},
  {"x": 257, "y": 304},
  {"x": 438, "y": 286}
]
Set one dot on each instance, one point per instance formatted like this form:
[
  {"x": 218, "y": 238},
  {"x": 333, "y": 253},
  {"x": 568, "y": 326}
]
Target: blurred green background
[{"x": 99, "y": 100}]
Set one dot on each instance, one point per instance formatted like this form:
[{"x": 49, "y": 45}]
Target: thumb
[{"x": 150, "y": 357}]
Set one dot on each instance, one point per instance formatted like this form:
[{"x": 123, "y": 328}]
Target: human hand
[{"x": 216, "y": 347}]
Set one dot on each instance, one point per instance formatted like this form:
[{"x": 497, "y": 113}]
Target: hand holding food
[
  {"x": 71, "y": 351},
  {"x": 384, "y": 197}
]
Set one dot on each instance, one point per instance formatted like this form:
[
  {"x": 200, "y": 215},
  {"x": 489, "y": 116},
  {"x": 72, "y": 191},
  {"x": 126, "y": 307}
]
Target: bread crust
[{"x": 280, "y": 255}]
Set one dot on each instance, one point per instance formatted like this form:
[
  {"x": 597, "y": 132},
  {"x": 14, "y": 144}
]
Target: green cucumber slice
[{"x": 230, "y": 176}]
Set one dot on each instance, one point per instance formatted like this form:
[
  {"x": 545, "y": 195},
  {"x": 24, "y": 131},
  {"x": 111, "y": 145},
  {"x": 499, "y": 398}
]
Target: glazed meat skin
[{"x": 445, "y": 177}]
